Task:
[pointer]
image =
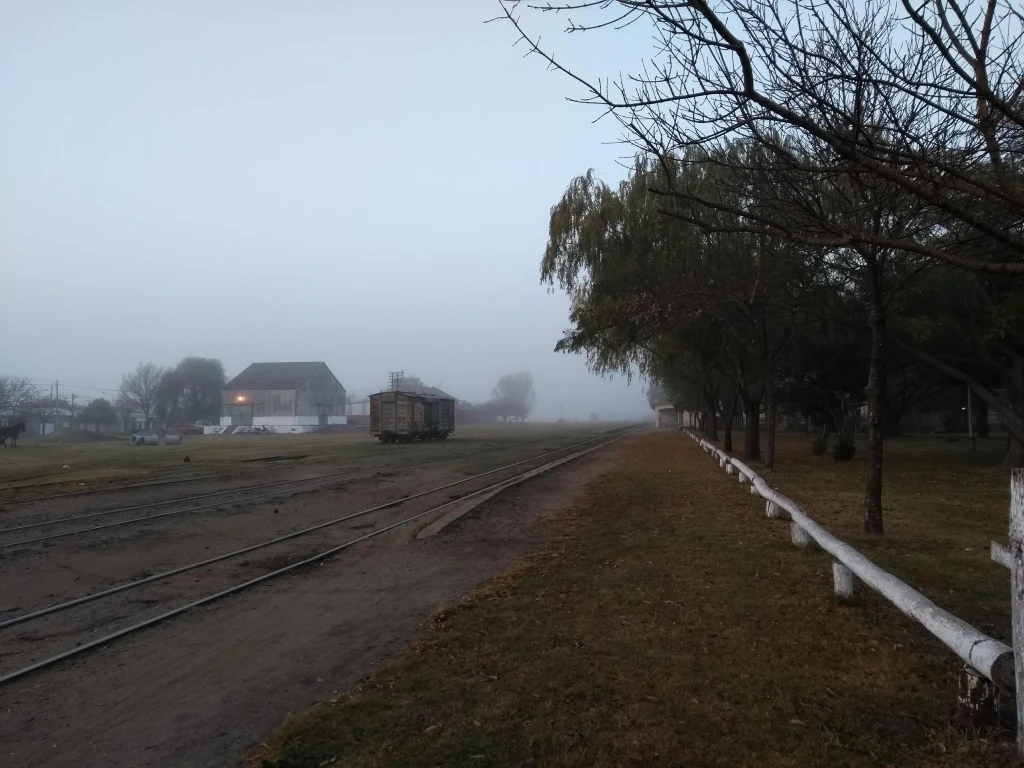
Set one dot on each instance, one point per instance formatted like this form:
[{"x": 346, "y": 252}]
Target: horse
[{"x": 11, "y": 432}]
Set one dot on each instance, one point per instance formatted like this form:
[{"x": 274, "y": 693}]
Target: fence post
[
  {"x": 800, "y": 537},
  {"x": 1017, "y": 593},
  {"x": 771, "y": 509},
  {"x": 843, "y": 579},
  {"x": 976, "y": 700}
]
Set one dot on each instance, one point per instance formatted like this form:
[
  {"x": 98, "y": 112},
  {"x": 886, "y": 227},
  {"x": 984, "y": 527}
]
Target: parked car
[{"x": 190, "y": 429}]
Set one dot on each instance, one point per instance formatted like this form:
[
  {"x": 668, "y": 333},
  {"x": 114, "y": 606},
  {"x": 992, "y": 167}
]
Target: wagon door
[
  {"x": 401, "y": 414},
  {"x": 417, "y": 416},
  {"x": 388, "y": 416},
  {"x": 375, "y": 415}
]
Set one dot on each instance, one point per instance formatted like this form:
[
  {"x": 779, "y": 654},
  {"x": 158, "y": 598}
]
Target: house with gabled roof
[{"x": 282, "y": 397}]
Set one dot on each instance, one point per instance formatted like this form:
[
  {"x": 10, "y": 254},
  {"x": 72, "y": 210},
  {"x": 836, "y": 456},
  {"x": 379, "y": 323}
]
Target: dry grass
[
  {"x": 943, "y": 504},
  {"x": 669, "y": 623},
  {"x": 96, "y": 463}
]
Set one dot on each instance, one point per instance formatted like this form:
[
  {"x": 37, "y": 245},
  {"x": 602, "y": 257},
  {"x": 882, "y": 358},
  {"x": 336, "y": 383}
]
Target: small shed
[{"x": 283, "y": 397}]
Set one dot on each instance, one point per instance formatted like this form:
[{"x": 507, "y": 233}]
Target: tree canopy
[
  {"x": 513, "y": 396},
  {"x": 97, "y": 412}
]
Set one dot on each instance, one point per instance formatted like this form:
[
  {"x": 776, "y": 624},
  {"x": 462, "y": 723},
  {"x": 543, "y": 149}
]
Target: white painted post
[
  {"x": 730, "y": 469},
  {"x": 742, "y": 478},
  {"x": 753, "y": 490},
  {"x": 800, "y": 537},
  {"x": 1017, "y": 593},
  {"x": 771, "y": 509},
  {"x": 1000, "y": 554},
  {"x": 843, "y": 580}
]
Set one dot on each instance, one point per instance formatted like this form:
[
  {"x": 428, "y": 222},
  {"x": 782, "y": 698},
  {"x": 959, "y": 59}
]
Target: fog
[{"x": 366, "y": 184}]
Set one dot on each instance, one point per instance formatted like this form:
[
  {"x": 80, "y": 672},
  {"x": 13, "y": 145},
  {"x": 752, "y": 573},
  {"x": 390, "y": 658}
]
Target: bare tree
[
  {"x": 16, "y": 391},
  {"x": 139, "y": 390},
  {"x": 948, "y": 132}
]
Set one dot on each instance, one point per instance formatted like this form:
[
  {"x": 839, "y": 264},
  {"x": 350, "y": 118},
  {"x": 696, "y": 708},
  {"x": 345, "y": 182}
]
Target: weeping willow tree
[{"x": 653, "y": 292}]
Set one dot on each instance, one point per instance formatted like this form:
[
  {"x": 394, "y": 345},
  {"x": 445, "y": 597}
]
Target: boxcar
[{"x": 399, "y": 416}]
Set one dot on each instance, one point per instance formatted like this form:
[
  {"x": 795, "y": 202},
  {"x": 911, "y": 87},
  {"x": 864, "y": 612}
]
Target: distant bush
[
  {"x": 844, "y": 448},
  {"x": 820, "y": 444}
]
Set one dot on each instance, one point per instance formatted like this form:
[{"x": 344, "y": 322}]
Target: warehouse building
[{"x": 284, "y": 397}]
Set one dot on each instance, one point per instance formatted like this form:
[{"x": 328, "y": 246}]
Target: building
[
  {"x": 665, "y": 415},
  {"x": 284, "y": 397}
]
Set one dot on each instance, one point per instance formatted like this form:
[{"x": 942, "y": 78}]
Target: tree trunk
[
  {"x": 980, "y": 417},
  {"x": 1014, "y": 453},
  {"x": 874, "y": 392},
  {"x": 727, "y": 445},
  {"x": 752, "y": 434},
  {"x": 711, "y": 414},
  {"x": 769, "y": 422}
]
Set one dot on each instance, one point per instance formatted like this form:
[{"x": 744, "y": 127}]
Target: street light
[{"x": 241, "y": 398}]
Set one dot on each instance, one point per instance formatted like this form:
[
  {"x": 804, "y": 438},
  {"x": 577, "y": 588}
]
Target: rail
[
  {"x": 989, "y": 657},
  {"x": 487, "y": 491}
]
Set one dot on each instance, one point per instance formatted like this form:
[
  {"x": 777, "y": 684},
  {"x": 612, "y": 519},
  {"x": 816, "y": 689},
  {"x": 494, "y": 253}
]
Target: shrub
[
  {"x": 820, "y": 444},
  {"x": 845, "y": 447}
]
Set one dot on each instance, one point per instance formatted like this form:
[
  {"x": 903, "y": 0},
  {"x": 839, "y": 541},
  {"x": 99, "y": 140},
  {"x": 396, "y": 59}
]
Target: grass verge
[{"x": 668, "y": 623}]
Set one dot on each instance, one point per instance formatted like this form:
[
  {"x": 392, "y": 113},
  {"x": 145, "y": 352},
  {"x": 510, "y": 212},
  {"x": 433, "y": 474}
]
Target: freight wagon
[{"x": 401, "y": 416}]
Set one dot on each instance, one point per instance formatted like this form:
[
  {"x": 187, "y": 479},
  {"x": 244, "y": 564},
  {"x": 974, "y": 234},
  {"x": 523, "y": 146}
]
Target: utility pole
[
  {"x": 56, "y": 421},
  {"x": 72, "y": 406}
]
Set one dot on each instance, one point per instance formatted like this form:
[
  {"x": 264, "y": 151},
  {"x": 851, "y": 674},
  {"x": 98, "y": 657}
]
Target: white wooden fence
[{"x": 984, "y": 657}]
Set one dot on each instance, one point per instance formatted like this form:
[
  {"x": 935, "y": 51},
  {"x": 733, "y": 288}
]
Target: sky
[{"x": 366, "y": 184}]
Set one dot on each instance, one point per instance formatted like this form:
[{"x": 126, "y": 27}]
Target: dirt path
[{"x": 201, "y": 690}]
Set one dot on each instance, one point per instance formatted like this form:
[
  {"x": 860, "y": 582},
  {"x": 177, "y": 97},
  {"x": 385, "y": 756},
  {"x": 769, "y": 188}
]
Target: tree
[
  {"x": 805, "y": 72},
  {"x": 139, "y": 390},
  {"x": 515, "y": 396},
  {"x": 890, "y": 151},
  {"x": 970, "y": 330},
  {"x": 97, "y": 412},
  {"x": 202, "y": 380},
  {"x": 191, "y": 390},
  {"x": 16, "y": 390},
  {"x": 653, "y": 291},
  {"x": 170, "y": 398}
]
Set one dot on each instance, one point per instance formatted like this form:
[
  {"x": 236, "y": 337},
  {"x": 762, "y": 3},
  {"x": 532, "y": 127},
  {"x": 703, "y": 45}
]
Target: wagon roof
[
  {"x": 275, "y": 375},
  {"x": 424, "y": 392}
]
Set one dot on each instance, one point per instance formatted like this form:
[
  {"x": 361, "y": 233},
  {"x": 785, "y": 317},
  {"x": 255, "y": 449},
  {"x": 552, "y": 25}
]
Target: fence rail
[{"x": 987, "y": 656}]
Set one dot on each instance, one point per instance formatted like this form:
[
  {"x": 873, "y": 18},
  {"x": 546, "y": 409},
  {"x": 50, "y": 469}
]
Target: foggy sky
[{"x": 366, "y": 184}]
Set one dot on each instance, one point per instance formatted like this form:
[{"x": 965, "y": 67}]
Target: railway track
[
  {"x": 299, "y": 560},
  {"x": 186, "y": 477},
  {"x": 301, "y": 484}
]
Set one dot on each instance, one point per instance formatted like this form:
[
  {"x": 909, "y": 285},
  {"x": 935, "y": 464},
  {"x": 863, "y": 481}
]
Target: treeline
[
  {"x": 811, "y": 217},
  {"x": 512, "y": 399},
  {"x": 187, "y": 392}
]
